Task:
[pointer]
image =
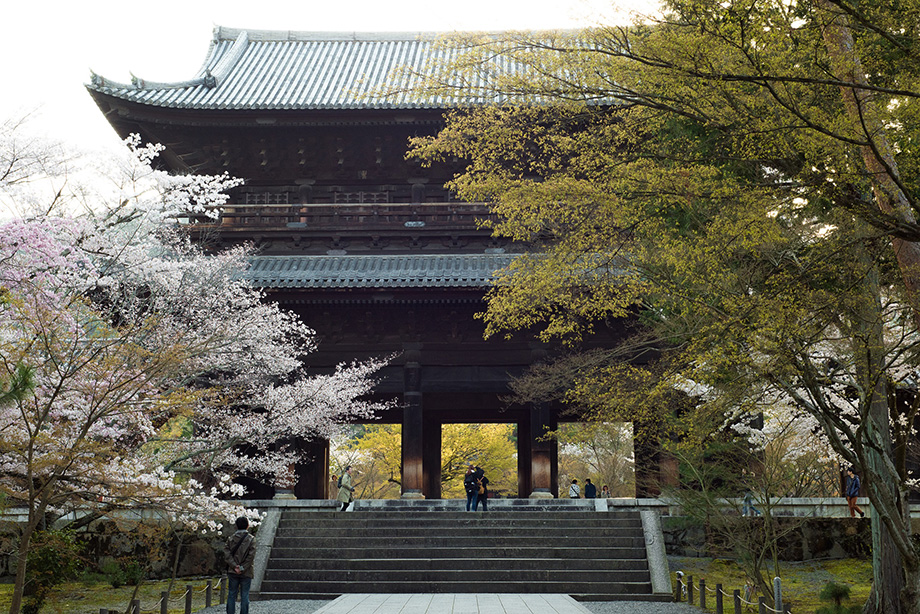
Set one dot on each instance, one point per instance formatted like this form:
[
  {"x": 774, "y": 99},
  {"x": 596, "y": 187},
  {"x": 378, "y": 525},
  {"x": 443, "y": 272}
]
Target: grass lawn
[
  {"x": 801, "y": 582},
  {"x": 89, "y": 598}
]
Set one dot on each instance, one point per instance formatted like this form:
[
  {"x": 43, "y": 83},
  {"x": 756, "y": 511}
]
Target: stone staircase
[{"x": 437, "y": 547}]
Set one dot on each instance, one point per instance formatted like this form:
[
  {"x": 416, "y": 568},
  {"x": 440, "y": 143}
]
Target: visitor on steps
[
  {"x": 346, "y": 490},
  {"x": 605, "y": 492},
  {"x": 239, "y": 554},
  {"x": 471, "y": 488},
  {"x": 574, "y": 490},
  {"x": 590, "y": 490},
  {"x": 482, "y": 494}
]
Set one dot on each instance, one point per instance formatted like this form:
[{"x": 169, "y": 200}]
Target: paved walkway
[
  {"x": 446, "y": 603},
  {"x": 380, "y": 604}
]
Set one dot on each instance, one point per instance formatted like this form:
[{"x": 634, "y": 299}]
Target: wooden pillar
[
  {"x": 655, "y": 468},
  {"x": 312, "y": 475},
  {"x": 431, "y": 461},
  {"x": 542, "y": 452},
  {"x": 524, "y": 453},
  {"x": 413, "y": 477}
]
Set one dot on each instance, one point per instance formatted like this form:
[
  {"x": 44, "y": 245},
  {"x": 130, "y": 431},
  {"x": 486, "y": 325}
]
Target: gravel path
[{"x": 596, "y": 607}]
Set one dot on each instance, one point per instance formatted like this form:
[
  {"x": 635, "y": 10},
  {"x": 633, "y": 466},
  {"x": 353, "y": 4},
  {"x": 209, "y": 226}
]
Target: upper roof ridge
[{"x": 223, "y": 33}]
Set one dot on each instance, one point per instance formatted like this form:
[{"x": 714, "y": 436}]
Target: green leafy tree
[
  {"x": 740, "y": 176},
  {"x": 376, "y": 453}
]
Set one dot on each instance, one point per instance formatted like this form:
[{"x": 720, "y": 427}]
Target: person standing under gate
[
  {"x": 482, "y": 489},
  {"x": 471, "y": 488},
  {"x": 239, "y": 554},
  {"x": 590, "y": 490},
  {"x": 346, "y": 490},
  {"x": 574, "y": 490}
]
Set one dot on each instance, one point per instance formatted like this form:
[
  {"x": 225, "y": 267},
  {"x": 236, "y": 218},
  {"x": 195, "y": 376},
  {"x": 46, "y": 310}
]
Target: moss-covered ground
[
  {"x": 801, "y": 582},
  {"x": 90, "y": 597}
]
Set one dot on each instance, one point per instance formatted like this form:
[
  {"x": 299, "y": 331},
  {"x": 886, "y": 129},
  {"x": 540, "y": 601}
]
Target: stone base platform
[{"x": 448, "y": 603}]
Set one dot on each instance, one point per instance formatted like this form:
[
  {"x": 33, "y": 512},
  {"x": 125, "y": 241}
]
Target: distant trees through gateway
[{"x": 600, "y": 451}]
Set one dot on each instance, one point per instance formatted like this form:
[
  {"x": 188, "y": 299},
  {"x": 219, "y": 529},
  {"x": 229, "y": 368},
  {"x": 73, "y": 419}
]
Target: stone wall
[{"x": 808, "y": 538}]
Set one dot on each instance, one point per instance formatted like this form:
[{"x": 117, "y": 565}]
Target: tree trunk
[
  {"x": 891, "y": 592},
  {"x": 25, "y": 543},
  {"x": 877, "y": 154}
]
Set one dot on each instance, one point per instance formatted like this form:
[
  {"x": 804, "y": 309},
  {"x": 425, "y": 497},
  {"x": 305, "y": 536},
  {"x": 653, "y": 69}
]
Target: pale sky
[{"x": 49, "y": 46}]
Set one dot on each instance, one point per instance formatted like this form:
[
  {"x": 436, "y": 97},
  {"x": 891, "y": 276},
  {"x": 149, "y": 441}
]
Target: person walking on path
[
  {"x": 346, "y": 490},
  {"x": 852, "y": 491},
  {"x": 574, "y": 490},
  {"x": 239, "y": 554},
  {"x": 482, "y": 489},
  {"x": 471, "y": 488},
  {"x": 590, "y": 490}
]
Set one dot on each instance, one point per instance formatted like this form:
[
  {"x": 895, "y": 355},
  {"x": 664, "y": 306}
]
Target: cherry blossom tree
[{"x": 150, "y": 362}]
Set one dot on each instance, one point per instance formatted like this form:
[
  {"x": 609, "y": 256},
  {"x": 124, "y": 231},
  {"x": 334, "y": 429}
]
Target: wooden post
[
  {"x": 677, "y": 590},
  {"x": 737, "y": 595},
  {"x": 103, "y": 611},
  {"x": 209, "y": 588},
  {"x": 703, "y": 593},
  {"x": 188, "y": 598},
  {"x": 164, "y": 603},
  {"x": 136, "y": 606},
  {"x": 720, "y": 608},
  {"x": 223, "y": 590},
  {"x": 777, "y": 594},
  {"x": 690, "y": 590},
  {"x": 762, "y": 605}
]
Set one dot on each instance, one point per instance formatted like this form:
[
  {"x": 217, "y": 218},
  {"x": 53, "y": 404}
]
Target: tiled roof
[
  {"x": 345, "y": 271},
  {"x": 272, "y": 70}
]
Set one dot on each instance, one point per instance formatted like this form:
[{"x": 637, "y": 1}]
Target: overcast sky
[{"x": 49, "y": 46}]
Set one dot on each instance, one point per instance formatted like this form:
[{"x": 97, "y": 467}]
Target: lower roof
[{"x": 381, "y": 271}]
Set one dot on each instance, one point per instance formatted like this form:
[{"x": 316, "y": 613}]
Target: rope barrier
[
  {"x": 180, "y": 598},
  {"x": 683, "y": 588}
]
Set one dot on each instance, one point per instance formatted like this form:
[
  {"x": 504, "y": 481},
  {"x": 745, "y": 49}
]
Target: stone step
[
  {"x": 478, "y": 576},
  {"x": 578, "y": 505},
  {"x": 429, "y": 532},
  {"x": 283, "y": 551},
  {"x": 451, "y": 541},
  {"x": 511, "y": 563},
  {"x": 387, "y": 547},
  {"x": 457, "y": 514},
  {"x": 559, "y": 587},
  {"x": 453, "y": 524}
]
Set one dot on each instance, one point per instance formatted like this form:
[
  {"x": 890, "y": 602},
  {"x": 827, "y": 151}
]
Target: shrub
[
  {"x": 53, "y": 558},
  {"x": 837, "y": 593}
]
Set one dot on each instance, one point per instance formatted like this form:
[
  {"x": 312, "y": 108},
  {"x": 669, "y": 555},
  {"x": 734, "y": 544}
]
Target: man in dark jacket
[
  {"x": 239, "y": 554},
  {"x": 590, "y": 490},
  {"x": 852, "y": 491}
]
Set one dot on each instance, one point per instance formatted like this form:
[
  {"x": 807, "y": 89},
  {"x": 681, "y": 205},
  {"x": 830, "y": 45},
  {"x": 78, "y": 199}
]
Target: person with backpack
[
  {"x": 346, "y": 490},
  {"x": 482, "y": 489},
  {"x": 239, "y": 554}
]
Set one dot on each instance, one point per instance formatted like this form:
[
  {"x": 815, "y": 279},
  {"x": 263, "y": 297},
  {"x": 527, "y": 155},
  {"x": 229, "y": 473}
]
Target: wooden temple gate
[{"x": 366, "y": 246}]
